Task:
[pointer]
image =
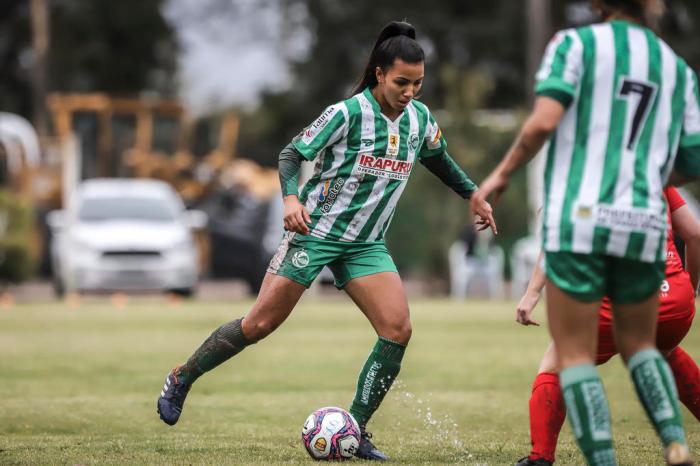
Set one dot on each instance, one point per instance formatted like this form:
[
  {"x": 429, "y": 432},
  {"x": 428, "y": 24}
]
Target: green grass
[{"x": 79, "y": 386}]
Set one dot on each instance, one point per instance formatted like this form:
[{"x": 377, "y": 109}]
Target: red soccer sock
[
  {"x": 547, "y": 414},
  {"x": 687, "y": 376}
]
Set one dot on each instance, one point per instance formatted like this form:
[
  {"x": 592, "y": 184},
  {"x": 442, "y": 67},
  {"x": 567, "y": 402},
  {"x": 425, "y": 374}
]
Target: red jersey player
[{"x": 676, "y": 312}]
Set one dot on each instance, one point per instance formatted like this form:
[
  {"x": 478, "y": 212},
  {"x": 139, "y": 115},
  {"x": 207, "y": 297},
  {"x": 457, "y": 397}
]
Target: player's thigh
[
  {"x": 361, "y": 260},
  {"x": 670, "y": 333},
  {"x": 276, "y": 300},
  {"x": 301, "y": 258},
  {"x": 635, "y": 326},
  {"x": 575, "y": 286},
  {"x": 676, "y": 311},
  {"x": 573, "y": 325},
  {"x": 606, "y": 341},
  {"x": 295, "y": 265},
  {"x": 382, "y": 299},
  {"x": 634, "y": 293}
]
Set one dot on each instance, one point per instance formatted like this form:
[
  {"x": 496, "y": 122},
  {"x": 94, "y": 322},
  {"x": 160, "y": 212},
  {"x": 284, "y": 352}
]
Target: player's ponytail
[{"x": 396, "y": 40}]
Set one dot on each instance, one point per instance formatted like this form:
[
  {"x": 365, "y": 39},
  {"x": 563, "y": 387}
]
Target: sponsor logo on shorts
[
  {"x": 384, "y": 167},
  {"x": 328, "y": 196},
  {"x": 300, "y": 259},
  {"x": 665, "y": 288}
]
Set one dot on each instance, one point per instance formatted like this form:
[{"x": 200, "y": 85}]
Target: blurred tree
[
  {"x": 15, "y": 39},
  {"x": 96, "y": 45},
  {"x": 117, "y": 47}
]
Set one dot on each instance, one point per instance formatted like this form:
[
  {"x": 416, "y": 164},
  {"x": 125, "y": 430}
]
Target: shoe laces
[
  {"x": 179, "y": 389},
  {"x": 366, "y": 436}
]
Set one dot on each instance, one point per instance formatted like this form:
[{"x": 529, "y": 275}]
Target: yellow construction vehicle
[{"x": 104, "y": 136}]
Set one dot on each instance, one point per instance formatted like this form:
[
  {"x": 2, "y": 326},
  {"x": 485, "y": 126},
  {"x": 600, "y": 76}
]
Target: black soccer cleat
[
  {"x": 367, "y": 450},
  {"x": 172, "y": 397},
  {"x": 527, "y": 461}
]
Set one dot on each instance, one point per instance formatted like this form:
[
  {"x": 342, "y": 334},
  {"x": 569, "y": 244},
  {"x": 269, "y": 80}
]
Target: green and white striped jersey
[
  {"x": 363, "y": 163},
  {"x": 633, "y": 114}
]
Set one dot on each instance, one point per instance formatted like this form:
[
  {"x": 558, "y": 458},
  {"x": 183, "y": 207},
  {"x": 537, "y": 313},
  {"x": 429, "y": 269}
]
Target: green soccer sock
[
  {"x": 657, "y": 391},
  {"x": 224, "y": 343},
  {"x": 377, "y": 375},
  {"x": 587, "y": 409}
]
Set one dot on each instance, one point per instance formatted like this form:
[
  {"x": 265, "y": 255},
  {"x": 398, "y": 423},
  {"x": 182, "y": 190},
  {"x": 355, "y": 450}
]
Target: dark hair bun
[{"x": 396, "y": 28}]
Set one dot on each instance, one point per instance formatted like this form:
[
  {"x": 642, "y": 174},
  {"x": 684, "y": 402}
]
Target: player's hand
[
  {"x": 296, "y": 217},
  {"x": 525, "y": 307},
  {"x": 484, "y": 215}
]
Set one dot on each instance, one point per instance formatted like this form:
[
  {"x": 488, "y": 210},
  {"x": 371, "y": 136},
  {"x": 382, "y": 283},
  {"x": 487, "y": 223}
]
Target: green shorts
[
  {"x": 301, "y": 258},
  {"x": 589, "y": 277}
]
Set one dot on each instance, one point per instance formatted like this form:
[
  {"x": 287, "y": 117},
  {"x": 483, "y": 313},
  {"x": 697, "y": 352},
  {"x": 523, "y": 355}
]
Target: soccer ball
[{"x": 331, "y": 434}]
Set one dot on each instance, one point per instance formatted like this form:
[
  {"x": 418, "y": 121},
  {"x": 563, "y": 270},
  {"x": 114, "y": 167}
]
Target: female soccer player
[
  {"x": 676, "y": 312},
  {"x": 620, "y": 110},
  {"x": 365, "y": 148}
]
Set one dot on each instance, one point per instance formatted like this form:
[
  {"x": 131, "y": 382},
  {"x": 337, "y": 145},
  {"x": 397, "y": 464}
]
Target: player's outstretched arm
[
  {"x": 531, "y": 297},
  {"x": 687, "y": 227},
  {"x": 539, "y": 126},
  {"x": 444, "y": 167}
]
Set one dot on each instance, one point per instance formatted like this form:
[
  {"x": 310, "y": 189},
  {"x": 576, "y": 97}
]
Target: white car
[{"x": 125, "y": 234}]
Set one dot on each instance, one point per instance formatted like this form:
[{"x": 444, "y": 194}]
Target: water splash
[{"x": 442, "y": 428}]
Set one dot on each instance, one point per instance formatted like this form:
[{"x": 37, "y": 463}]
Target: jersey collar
[{"x": 377, "y": 108}]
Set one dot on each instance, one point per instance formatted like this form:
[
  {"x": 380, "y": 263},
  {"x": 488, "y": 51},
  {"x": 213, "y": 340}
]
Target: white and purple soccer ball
[{"x": 331, "y": 434}]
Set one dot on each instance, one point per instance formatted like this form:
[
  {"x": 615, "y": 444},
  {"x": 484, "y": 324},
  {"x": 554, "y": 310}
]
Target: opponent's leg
[
  {"x": 687, "y": 376},
  {"x": 278, "y": 296},
  {"x": 547, "y": 412},
  {"x": 635, "y": 331},
  {"x": 574, "y": 328},
  {"x": 382, "y": 299}
]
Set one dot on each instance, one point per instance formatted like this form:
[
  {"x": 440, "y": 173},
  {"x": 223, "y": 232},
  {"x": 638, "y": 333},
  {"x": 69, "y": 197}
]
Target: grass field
[{"x": 78, "y": 386}]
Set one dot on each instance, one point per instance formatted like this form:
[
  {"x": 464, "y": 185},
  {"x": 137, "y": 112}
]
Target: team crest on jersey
[
  {"x": 413, "y": 142},
  {"x": 384, "y": 167},
  {"x": 300, "y": 259},
  {"x": 393, "y": 146}
]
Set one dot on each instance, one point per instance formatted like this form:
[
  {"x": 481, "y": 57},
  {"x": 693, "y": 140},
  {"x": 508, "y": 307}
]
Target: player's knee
[
  {"x": 259, "y": 329},
  {"x": 400, "y": 332}
]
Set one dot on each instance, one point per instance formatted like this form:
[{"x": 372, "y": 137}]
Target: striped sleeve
[
  {"x": 434, "y": 143},
  {"x": 561, "y": 68},
  {"x": 688, "y": 158},
  {"x": 325, "y": 131}
]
